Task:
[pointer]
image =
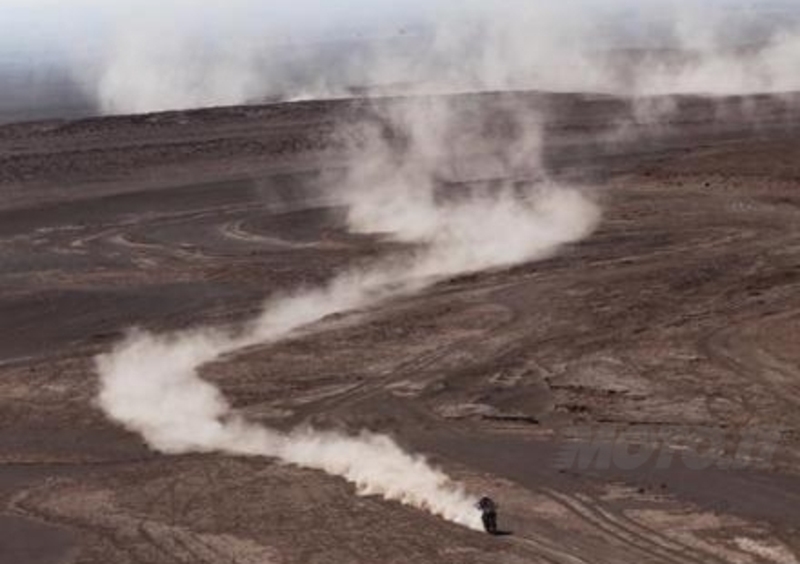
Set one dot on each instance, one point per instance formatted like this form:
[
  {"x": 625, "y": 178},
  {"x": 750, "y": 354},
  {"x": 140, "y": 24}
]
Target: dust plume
[{"x": 406, "y": 185}]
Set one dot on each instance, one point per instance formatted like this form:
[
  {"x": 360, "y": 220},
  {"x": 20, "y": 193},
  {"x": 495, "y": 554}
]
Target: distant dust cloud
[{"x": 159, "y": 61}]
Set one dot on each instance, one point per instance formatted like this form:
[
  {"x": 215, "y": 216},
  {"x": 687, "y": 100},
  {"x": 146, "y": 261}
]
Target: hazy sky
[
  {"x": 54, "y": 24},
  {"x": 57, "y": 27}
]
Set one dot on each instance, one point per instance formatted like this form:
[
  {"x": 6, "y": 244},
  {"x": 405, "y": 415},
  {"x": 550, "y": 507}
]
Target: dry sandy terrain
[{"x": 678, "y": 318}]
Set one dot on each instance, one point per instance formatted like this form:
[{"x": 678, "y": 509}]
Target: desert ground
[{"x": 677, "y": 319}]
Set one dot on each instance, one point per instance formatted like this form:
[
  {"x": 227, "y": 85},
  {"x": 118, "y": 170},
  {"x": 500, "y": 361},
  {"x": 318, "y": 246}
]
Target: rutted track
[{"x": 680, "y": 311}]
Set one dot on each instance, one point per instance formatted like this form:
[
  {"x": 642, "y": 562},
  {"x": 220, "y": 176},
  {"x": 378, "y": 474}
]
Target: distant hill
[{"x": 41, "y": 92}]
